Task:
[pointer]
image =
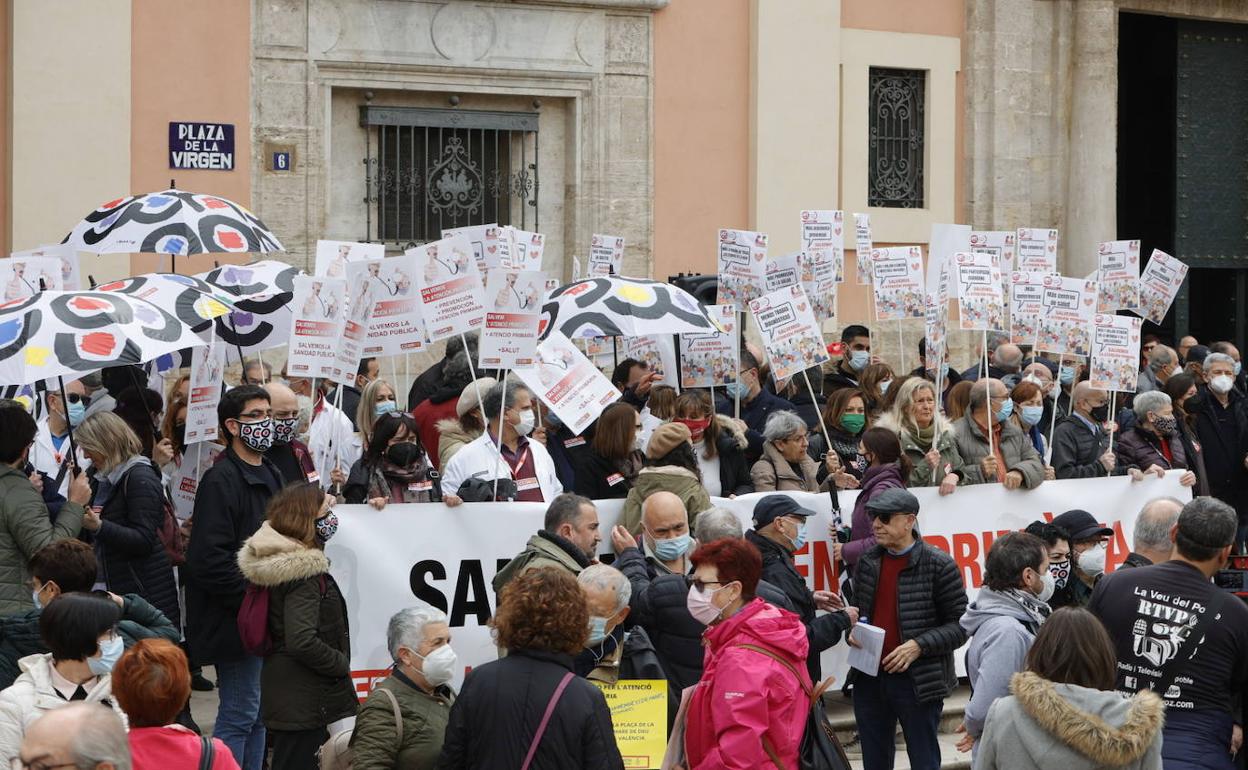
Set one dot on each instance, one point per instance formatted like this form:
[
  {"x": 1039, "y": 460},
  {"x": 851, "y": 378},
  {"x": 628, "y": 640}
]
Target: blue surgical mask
[
  {"x": 800, "y": 540},
  {"x": 76, "y": 413},
  {"x": 382, "y": 408},
  {"x": 1032, "y": 414},
  {"x": 1005, "y": 411},
  {"x": 736, "y": 390},
  {"x": 110, "y": 653},
  {"x": 884, "y": 386},
  {"x": 1238, "y": 367},
  {"x": 597, "y": 631},
  {"x": 672, "y": 548},
  {"x": 1067, "y": 375},
  {"x": 858, "y": 359}
]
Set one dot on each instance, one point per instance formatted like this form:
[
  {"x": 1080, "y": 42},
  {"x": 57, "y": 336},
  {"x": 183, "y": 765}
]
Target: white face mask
[
  {"x": 1050, "y": 585},
  {"x": 639, "y": 442},
  {"x": 527, "y": 422},
  {"x": 1222, "y": 384},
  {"x": 1092, "y": 561},
  {"x": 439, "y": 665}
]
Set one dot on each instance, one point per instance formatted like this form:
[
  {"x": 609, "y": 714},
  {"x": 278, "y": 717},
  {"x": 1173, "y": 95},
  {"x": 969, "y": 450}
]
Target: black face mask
[
  {"x": 403, "y": 454},
  {"x": 1100, "y": 413}
]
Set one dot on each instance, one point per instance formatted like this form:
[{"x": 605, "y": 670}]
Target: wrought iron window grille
[{"x": 896, "y": 139}]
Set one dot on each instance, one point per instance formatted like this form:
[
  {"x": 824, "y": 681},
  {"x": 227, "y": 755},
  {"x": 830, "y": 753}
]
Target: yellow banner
[{"x": 639, "y": 713}]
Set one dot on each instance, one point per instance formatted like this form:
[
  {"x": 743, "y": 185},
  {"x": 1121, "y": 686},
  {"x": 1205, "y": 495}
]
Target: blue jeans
[
  {"x": 880, "y": 702},
  {"x": 238, "y": 712}
]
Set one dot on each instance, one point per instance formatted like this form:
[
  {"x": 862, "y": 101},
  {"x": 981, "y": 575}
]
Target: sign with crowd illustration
[
  {"x": 1069, "y": 304},
  {"x": 897, "y": 277},
  {"x": 1115, "y": 352},
  {"x": 1118, "y": 276},
  {"x": 791, "y": 336},
  {"x": 1160, "y": 284},
  {"x": 980, "y": 306},
  {"x": 863, "y": 248},
  {"x": 1026, "y": 306},
  {"x": 708, "y": 360},
  {"x": 606, "y": 255},
  {"x": 1035, "y": 250},
  {"x": 741, "y": 269}
]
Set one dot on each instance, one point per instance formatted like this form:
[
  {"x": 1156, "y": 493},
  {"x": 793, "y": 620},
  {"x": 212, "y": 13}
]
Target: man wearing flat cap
[
  {"x": 779, "y": 530},
  {"x": 1088, "y": 549},
  {"x": 914, "y": 592}
]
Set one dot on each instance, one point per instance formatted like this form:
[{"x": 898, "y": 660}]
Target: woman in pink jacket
[{"x": 749, "y": 709}]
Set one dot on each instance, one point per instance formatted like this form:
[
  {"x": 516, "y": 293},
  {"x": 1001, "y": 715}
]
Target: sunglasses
[
  {"x": 884, "y": 518},
  {"x": 75, "y": 398}
]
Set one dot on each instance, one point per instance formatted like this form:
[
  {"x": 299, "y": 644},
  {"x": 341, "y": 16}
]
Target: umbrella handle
[{"x": 73, "y": 447}]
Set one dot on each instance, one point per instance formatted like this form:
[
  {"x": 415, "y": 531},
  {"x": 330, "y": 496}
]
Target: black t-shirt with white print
[{"x": 1151, "y": 611}]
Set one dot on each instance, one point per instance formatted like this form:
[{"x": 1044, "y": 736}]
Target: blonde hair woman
[
  {"x": 376, "y": 399},
  {"x": 126, "y": 513},
  {"x": 926, "y": 436}
]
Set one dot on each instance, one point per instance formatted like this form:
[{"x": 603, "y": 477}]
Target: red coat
[
  {"x": 174, "y": 748},
  {"x": 744, "y": 695},
  {"x": 427, "y": 414}
]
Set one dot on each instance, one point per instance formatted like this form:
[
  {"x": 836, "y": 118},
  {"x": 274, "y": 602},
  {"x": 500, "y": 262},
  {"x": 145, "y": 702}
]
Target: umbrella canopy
[
  {"x": 261, "y": 316},
  {"x": 172, "y": 222},
  {"x": 611, "y": 306},
  {"x": 69, "y": 333},
  {"x": 193, "y": 301}
]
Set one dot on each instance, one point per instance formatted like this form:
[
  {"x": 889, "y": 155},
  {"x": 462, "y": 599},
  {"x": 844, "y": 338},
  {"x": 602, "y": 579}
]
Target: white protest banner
[
  {"x": 184, "y": 483},
  {"x": 395, "y": 326},
  {"x": 898, "y": 282},
  {"x": 525, "y": 250},
  {"x": 567, "y": 382},
  {"x": 863, "y": 248},
  {"x": 332, "y": 257},
  {"x": 784, "y": 270},
  {"x": 450, "y": 290},
  {"x": 491, "y": 247},
  {"x": 509, "y": 336},
  {"x": 980, "y": 305},
  {"x": 1118, "y": 276},
  {"x": 1115, "y": 352},
  {"x": 790, "y": 333},
  {"x": 708, "y": 360},
  {"x": 24, "y": 277},
  {"x": 204, "y": 391},
  {"x": 606, "y": 255},
  {"x": 1069, "y": 304},
  {"x": 71, "y": 273},
  {"x": 362, "y": 284},
  {"x": 319, "y": 306},
  {"x": 741, "y": 255},
  {"x": 657, "y": 351},
  {"x": 1036, "y": 250},
  {"x": 1026, "y": 306},
  {"x": 823, "y": 240},
  {"x": 448, "y": 557},
  {"x": 1160, "y": 283},
  {"x": 998, "y": 242}
]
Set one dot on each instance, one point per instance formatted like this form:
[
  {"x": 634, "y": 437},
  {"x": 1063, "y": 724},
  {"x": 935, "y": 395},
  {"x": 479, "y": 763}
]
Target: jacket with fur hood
[
  {"x": 1001, "y": 632},
  {"x": 1046, "y": 724},
  {"x": 32, "y": 695},
  {"x": 306, "y": 681},
  {"x": 681, "y": 482},
  {"x": 730, "y": 448},
  {"x": 451, "y": 438}
]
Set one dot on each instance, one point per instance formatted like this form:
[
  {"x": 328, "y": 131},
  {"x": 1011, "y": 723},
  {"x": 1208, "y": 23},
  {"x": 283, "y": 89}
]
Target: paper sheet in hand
[{"x": 866, "y": 657}]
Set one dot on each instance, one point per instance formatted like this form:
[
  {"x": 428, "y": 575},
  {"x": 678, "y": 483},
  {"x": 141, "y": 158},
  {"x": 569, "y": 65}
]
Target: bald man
[
  {"x": 1186, "y": 344},
  {"x": 290, "y": 455},
  {"x": 1150, "y": 542},
  {"x": 665, "y": 540},
  {"x": 1080, "y": 441},
  {"x": 86, "y": 736},
  {"x": 1008, "y": 359}
]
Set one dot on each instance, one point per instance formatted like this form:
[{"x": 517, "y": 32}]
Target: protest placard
[
  {"x": 71, "y": 271},
  {"x": 332, "y": 256},
  {"x": 639, "y": 719},
  {"x": 525, "y": 250},
  {"x": 606, "y": 255},
  {"x": 319, "y": 311},
  {"x": 568, "y": 383},
  {"x": 1069, "y": 304},
  {"x": 509, "y": 337},
  {"x": 1118, "y": 276},
  {"x": 980, "y": 304},
  {"x": 1160, "y": 283},
  {"x": 204, "y": 391},
  {"x": 863, "y": 248},
  {"x": 1026, "y": 306},
  {"x": 898, "y": 282},
  {"x": 741, "y": 255},
  {"x": 790, "y": 332},
  {"x": 823, "y": 240},
  {"x": 1115, "y": 352},
  {"x": 998, "y": 242},
  {"x": 784, "y": 270},
  {"x": 363, "y": 282},
  {"x": 658, "y": 352},
  {"x": 936, "y": 319},
  {"x": 395, "y": 325},
  {"x": 24, "y": 277},
  {"x": 184, "y": 484},
  {"x": 1035, "y": 250},
  {"x": 945, "y": 241},
  {"x": 491, "y": 246},
  {"x": 708, "y": 360},
  {"x": 451, "y": 294}
]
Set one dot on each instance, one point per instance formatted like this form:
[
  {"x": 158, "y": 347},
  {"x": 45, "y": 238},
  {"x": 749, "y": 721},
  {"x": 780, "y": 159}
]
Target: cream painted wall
[
  {"x": 795, "y": 53},
  {"x": 71, "y": 118}
]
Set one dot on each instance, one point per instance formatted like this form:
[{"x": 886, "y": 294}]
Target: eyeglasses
[
  {"x": 701, "y": 585},
  {"x": 75, "y": 398}
]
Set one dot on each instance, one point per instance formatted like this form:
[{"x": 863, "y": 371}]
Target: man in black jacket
[
  {"x": 658, "y": 602},
  {"x": 914, "y": 592},
  {"x": 1150, "y": 541},
  {"x": 1080, "y": 443},
  {"x": 1222, "y": 428},
  {"x": 779, "y": 531},
  {"x": 855, "y": 356},
  {"x": 756, "y": 402},
  {"x": 229, "y": 508}
]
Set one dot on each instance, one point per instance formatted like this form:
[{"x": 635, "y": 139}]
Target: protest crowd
[{"x": 127, "y": 580}]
